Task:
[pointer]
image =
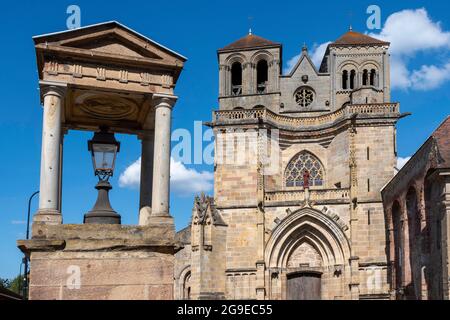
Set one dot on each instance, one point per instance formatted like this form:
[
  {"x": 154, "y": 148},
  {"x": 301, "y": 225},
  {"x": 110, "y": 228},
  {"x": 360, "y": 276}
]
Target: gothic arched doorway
[{"x": 307, "y": 256}]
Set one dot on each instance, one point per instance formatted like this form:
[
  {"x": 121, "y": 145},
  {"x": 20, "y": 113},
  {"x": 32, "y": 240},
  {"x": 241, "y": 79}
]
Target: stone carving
[
  {"x": 166, "y": 80},
  {"x": 77, "y": 71},
  {"x": 205, "y": 211},
  {"x": 145, "y": 78},
  {"x": 100, "y": 107},
  {"x": 52, "y": 68},
  {"x": 101, "y": 74},
  {"x": 352, "y": 161},
  {"x": 123, "y": 78}
]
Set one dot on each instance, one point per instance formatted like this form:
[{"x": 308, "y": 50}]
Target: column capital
[
  {"x": 164, "y": 100},
  {"x": 53, "y": 88}
]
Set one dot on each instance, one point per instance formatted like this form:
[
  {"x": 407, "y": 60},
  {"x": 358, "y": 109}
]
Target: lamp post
[
  {"x": 103, "y": 148},
  {"x": 25, "y": 277}
]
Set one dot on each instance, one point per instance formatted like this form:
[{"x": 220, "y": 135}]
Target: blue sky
[{"x": 196, "y": 29}]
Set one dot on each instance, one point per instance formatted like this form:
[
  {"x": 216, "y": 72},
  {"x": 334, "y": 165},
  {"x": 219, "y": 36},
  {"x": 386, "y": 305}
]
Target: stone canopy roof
[
  {"x": 250, "y": 41},
  {"x": 101, "y": 28},
  {"x": 353, "y": 38}
]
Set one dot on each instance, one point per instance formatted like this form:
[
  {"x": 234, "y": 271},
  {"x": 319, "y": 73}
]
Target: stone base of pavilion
[{"x": 102, "y": 262}]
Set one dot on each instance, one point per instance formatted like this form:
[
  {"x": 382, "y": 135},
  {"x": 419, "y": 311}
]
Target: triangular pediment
[
  {"x": 114, "y": 43},
  {"x": 304, "y": 65},
  {"x": 110, "y": 39}
]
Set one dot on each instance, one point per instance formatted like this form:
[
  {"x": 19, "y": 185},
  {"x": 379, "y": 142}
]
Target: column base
[
  {"x": 48, "y": 216},
  {"x": 161, "y": 220}
]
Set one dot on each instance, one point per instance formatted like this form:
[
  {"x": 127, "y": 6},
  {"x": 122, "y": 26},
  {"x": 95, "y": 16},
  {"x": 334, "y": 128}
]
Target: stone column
[
  {"x": 222, "y": 80},
  {"x": 61, "y": 157},
  {"x": 161, "y": 167},
  {"x": 145, "y": 201},
  {"x": 248, "y": 82},
  {"x": 49, "y": 197}
]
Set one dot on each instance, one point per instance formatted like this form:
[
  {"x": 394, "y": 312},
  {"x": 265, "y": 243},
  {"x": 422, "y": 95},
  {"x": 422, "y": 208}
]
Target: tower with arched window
[
  {"x": 249, "y": 71},
  {"x": 359, "y": 69}
]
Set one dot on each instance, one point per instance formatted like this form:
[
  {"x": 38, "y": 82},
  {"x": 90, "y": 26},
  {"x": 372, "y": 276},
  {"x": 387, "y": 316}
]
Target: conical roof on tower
[
  {"x": 250, "y": 41},
  {"x": 353, "y": 38}
]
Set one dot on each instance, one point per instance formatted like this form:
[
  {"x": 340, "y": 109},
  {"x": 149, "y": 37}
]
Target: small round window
[{"x": 304, "y": 97}]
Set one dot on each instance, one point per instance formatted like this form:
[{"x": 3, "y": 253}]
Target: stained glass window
[{"x": 304, "y": 161}]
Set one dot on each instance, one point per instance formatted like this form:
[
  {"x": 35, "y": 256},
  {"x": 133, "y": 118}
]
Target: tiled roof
[
  {"x": 249, "y": 41},
  {"x": 442, "y": 138},
  {"x": 352, "y": 38}
]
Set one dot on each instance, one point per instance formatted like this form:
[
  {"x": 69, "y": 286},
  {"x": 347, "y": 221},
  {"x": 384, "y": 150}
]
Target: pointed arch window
[
  {"x": 236, "y": 79},
  {"x": 301, "y": 163}
]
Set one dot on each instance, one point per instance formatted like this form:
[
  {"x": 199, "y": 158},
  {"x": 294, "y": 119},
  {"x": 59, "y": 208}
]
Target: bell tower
[
  {"x": 249, "y": 71},
  {"x": 359, "y": 68}
]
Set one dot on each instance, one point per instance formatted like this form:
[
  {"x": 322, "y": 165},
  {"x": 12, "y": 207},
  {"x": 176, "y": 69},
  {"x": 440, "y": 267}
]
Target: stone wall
[
  {"x": 139, "y": 275},
  {"x": 100, "y": 262}
]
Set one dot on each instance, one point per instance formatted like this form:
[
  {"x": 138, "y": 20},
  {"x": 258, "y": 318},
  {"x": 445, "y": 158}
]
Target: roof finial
[
  {"x": 250, "y": 24},
  {"x": 350, "y": 28},
  {"x": 304, "y": 48}
]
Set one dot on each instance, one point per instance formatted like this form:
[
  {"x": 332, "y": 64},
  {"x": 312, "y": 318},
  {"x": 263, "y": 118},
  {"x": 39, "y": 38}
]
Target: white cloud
[
  {"x": 131, "y": 177},
  {"x": 430, "y": 77},
  {"x": 291, "y": 64},
  {"x": 186, "y": 181},
  {"x": 402, "y": 161},
  {"x": 409, "y": 32},
  {"x": 318, "y": 52},
  {"x": 400, "y": 75},
  {"x": 316, "y": 55},
  {"x": 183, "y": 181}
]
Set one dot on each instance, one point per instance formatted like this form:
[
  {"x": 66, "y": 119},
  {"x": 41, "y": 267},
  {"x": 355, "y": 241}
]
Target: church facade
[{"x": 297, "y": 211}]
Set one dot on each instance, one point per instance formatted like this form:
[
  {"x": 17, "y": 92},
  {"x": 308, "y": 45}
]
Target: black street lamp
[{"x": 103, "y": 148}]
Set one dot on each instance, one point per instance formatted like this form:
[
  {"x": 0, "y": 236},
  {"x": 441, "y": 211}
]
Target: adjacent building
[{"x": 417, "y": 206}]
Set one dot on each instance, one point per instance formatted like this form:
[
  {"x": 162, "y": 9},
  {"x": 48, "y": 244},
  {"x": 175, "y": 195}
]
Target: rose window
[{"x": 304, "y": 97}]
